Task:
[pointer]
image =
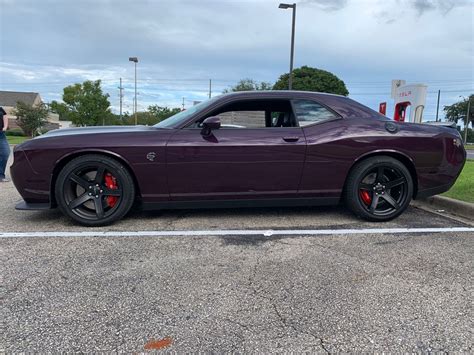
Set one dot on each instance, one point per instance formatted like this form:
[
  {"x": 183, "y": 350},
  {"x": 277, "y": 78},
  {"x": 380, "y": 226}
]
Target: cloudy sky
[{"x": 48, "y": 44}]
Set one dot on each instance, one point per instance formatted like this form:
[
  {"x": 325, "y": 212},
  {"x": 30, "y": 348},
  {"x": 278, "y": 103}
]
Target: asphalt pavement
[
  {"x": 395, "y": 292},
  {"x": 470, "y": 154}
]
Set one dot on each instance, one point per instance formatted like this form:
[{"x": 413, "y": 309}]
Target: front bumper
[
  {"x": 32, "y": 186},
  {"x": 25, "y": 206}
]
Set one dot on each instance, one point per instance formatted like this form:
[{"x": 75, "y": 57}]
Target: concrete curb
[{"x": 459, "y": 208}]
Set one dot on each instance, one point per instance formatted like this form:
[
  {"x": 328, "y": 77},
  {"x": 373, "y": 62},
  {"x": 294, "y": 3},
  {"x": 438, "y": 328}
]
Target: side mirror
[{"x": 210, "y": 124}]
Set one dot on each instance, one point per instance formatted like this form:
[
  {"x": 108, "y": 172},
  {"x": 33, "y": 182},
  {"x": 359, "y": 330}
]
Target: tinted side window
[
  {"x": 259, "y": 113},
  {"x": 309, "y": 112},
  {"x": 242, "y": 119}
]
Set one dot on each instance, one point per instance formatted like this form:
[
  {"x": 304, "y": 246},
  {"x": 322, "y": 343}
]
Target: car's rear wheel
[
  {"x": 94, "y": 190},
  {"x": 379, "y": 188}
]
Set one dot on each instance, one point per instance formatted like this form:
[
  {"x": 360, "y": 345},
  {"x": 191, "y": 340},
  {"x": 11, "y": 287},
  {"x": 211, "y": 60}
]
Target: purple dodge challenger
[{"x": 275, "y": 148}]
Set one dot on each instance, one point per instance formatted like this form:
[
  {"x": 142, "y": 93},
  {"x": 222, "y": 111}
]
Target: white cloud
[{"x": 365, "y": 42}]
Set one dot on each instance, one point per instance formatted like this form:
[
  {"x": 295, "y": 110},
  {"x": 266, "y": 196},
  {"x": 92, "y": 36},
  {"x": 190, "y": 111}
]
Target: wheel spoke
[
  {"x": 366, "y": 186},
  {"x": 99, "y": 208},
  {"x": 395, "y": 182},
  {"x": 112, "y": 192},
  {"x": 99, "y": 177},
  {"x": 79, "y": 180},
  {"x": 379, "y": 177},
  {"x": 375, "y": 202},
  {"x": 390, "y": 200},
  {"x": 79, "y": 201}
]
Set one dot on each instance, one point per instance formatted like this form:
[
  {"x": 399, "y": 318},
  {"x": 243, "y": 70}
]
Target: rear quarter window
[
  {"x": 310, "y": 112},
  {"x": 349, "y": 108}
]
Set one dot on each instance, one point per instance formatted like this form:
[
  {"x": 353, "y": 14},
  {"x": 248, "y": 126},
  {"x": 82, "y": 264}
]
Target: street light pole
[
  {"x": 135, "y": 60},
  {"x": 293, "y": 7}
]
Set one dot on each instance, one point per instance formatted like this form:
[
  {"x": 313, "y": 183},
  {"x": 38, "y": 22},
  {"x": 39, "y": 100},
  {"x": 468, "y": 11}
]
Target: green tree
[
  {"x": 30, "y": 118},
  {"x": 249, "y": 85},
  {"x": 162, "y": 113},
  {"x": 86, "y": 104},
  {"x": 312, "y": 79},
  {"x": 458, "y": 110},
  {"x": 61, "y": 109},
  {"x": 153, "y": 115}
]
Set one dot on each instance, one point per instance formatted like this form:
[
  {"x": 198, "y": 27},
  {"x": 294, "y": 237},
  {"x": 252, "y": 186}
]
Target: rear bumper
[
  {"x": 433, "y": 191},
  {"x": 435, "y": 180}
]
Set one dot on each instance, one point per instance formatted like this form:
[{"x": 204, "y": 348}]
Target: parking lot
[{"x": 343, "y": 290}]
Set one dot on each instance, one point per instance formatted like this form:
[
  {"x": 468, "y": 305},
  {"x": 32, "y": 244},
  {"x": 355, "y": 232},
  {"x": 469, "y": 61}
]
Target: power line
[
  {"x": 231, "y": 81},
  {"x": 388, "y": 93},
  {"x": 121, "y": 97}
]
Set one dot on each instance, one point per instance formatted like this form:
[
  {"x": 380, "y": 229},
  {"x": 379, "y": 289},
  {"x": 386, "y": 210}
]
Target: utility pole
[
  {"x": 120, "y": 97},
  {"x": 135, "y": 60},
  {"x": 467, "y": 118},
  {"x": 437, "y": 106},
  {"x": 183, "y": 104},
  {"x": 210, "y": 88}
]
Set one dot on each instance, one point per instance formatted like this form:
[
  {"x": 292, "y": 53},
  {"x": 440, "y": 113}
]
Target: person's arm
[{"x": 5, "y": 123}]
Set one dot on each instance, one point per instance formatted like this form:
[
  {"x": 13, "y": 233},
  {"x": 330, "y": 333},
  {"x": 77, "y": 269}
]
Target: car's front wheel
[
  {"x": 94, "y": 190},
  {"x": 379, "y": 188}
]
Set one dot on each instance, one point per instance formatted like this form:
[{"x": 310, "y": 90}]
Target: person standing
[{"x": 4, "y": 147}]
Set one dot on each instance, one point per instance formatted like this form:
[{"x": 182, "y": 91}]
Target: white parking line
[{"x": 191, "y": 233}]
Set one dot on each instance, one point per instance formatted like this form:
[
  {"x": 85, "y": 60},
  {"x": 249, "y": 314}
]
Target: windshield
[{"x": 182, "y": 116}]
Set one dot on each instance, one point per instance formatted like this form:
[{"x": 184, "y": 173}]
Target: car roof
[
  {"x": 343, "y": 105},
  {"x": 279, "y": 93}
]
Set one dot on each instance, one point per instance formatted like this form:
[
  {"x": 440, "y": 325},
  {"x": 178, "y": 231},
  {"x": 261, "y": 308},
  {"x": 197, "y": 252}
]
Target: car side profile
[{"x": 266, "y": 148}]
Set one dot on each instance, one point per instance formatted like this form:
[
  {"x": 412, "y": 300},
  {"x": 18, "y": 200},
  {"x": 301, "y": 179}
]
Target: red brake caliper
[
  {"x": 111, "y": 184},
  {"x": 365, "y": 196}
]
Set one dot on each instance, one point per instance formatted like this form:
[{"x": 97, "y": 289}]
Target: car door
[
  {"x": 326, "y": 161},
  {"x": 249, "y": 157}
]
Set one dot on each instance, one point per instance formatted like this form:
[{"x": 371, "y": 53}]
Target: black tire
[
  {"x": 379, "y": 188},
  {"x": 94, "y": 190}
]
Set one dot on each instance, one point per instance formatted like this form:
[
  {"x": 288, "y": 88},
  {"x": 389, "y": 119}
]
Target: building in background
[{"x": 9, "y": 99}]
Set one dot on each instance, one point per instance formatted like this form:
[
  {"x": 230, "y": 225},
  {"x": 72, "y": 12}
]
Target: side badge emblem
[{"x": 151, "y": 156}]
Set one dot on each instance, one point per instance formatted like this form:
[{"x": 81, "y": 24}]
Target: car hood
[{"x": 95, "y": 130}]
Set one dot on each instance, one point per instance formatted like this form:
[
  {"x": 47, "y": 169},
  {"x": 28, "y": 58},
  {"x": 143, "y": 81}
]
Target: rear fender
[{"x": 402, "y": 157}]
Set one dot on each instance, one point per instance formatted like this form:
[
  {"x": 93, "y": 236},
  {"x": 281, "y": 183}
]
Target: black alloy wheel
[
  {"x": 94, "y": 190},
  {"x": 379, "y": 188}
]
